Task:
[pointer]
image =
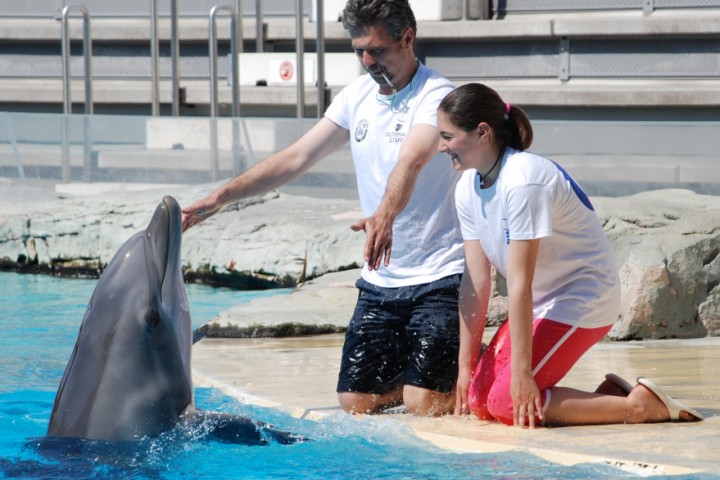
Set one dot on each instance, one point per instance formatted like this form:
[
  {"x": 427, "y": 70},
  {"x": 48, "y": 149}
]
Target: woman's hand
[
  {"x": 527, "y": 402},
  {"x": 461, "y": 396}
]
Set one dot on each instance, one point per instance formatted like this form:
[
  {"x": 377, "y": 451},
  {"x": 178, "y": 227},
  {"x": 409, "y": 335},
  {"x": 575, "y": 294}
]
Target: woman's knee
[{"x": 500, "y": 407}]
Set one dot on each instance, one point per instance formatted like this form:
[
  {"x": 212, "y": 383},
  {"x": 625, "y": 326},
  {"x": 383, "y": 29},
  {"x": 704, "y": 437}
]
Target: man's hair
[{"x": 396, "y": 15}]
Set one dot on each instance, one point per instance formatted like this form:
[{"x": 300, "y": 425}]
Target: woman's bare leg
[{"x": 575, "y": 407}]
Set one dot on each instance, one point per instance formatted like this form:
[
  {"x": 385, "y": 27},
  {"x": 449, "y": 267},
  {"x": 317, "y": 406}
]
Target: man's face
[{"x": 381, "y": 56}]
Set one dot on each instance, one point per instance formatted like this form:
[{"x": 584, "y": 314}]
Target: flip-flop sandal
[
  {"x": 673, "y": 406},
  {"x": 621, "y": 383}
]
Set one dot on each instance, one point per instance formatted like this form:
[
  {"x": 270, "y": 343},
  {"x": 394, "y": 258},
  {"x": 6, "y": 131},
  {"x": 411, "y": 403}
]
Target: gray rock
[
  {"x": 666, "y": 244},
  {"x": 268, "y": 241},
  {"x": 667, "y": 247},
  {"x": 321, "y": 305}
]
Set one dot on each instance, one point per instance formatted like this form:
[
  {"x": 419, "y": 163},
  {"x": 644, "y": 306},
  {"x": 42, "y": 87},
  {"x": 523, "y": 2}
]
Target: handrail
[
  {"x": 320, "y": 48},
  {"x": 87, "y": 54},
  {"x": 239, "y": 26},
  {"x": 300, "y": 58},
  {"x": 175, "y": 57},
  {"x": 233, "y": 61},
  {"x": 259, "y": 31},
  {"x": 154, "y": 49},
  {"x": 13, "y": 142}
]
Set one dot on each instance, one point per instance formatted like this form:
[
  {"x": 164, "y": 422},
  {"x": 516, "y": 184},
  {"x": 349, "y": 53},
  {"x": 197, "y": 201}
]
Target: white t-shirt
[
  {"x": 576, "y": 281},
  {"x": 427, "y": 244}
]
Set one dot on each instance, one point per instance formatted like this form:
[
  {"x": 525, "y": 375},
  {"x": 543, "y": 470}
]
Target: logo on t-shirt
[
  {"x": 361, "y": 130},
  {"x": 397, "y": 136},
  {"x": 506, "y": 230}
]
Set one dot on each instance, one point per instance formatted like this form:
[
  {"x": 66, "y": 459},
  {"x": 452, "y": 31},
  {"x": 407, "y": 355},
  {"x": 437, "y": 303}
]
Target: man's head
[
  {"x": 383, "y": 37},
  {"x": 395, "y": 15}
]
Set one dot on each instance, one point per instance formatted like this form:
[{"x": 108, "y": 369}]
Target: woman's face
[{"x": 463, "y": 147}]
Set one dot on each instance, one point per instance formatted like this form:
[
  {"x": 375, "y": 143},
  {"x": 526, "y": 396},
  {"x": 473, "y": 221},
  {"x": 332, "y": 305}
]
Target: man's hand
[
  {"x": 378, "y": 240},
  {"x": 199, "y": 212}
]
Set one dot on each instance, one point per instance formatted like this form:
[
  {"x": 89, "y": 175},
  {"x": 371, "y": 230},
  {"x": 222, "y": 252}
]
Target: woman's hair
[
  {"x": 469, "y": 105},
  {"x": 396, "y": 15}
]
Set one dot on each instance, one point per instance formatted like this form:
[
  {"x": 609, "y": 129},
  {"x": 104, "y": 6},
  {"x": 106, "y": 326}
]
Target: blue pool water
[{"x": 40, "y": 317}]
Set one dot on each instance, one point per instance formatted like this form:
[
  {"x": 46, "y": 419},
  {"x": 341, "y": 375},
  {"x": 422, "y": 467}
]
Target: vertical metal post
[
  {"x": 234, "y": 64},
  {"x": 564, "y": 56},
  {"x": 87, "y": 150},
  {"x": 300, "y": 55},
  {"x": 174, "y": 55},
  {"x": 478, "y": 10},
  {"x": 67, "y": 89},
  {"x": 65, "y": 150},
  {"x": 239, "y": 26},
  {"x": 13, "y": 143},
  {"x": 234, "y": 68},
  {"x": 259, "y": 27},
  {"x": 238, "y": 163},
  {"x": 214, "y": 107},
  {"x": 154, "y": 48},
  {"x": 87, "y": 57},
  {"x": 320, "y": 46}
]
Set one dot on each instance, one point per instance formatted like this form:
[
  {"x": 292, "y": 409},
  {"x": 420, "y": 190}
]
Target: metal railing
[
  {"x": 212, "y": 48},
  {"x": 154, "y": 55},
  {"x": 87, "y": 56},
  {"x": 508, "y": 7},
  {"x": 133, "y": 149},
  {"x": 236, "y": 47},
  {"x": 320, "y": 46},
  {"x": 300, "y": 56},
  {"x": 235, "y": 87},
  {"x": 67, "y": 88}
]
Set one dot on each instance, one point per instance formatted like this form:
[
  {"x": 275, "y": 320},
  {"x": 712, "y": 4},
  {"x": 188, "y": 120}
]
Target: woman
[{"x": 524, "y": 215}]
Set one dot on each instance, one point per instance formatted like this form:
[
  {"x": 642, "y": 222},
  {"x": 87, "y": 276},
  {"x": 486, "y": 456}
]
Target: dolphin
[{"x": 129, "y": 376}]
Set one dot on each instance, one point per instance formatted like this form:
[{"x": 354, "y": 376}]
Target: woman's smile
[{"x": 455, "y": 159}]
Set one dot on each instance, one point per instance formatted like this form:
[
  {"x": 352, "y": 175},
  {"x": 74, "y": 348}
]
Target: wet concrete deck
[{"x": 298, "y": 375}]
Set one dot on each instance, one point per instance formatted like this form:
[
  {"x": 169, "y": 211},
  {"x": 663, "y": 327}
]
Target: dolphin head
[{"x": 129, "y": 375}]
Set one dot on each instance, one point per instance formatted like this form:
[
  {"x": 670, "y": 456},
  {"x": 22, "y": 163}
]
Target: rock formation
[{"x": 666, "y": 243}]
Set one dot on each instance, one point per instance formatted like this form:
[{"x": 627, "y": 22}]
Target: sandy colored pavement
[{"x": 298, "y": 375}]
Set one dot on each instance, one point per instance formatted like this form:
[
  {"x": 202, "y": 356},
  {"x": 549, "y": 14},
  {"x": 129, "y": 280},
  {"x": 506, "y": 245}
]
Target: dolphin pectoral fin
[{"x": 228, "y": 428}]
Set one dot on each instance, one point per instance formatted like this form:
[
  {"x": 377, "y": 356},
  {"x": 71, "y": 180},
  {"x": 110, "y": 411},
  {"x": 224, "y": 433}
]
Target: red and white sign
[{"x": 286, "y": 70}]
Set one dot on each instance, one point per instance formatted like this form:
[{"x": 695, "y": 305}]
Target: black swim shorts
[{"x": 402, "y": 336}]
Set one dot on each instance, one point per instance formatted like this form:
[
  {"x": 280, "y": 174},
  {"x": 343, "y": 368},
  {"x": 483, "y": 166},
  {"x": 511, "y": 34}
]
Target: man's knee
[
  {"x": 428, "y": 403},
  {"x": 357, "y": 403}
]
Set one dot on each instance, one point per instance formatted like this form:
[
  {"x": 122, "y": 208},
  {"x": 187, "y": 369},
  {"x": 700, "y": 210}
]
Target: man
[{"x": 402, "y": 342}]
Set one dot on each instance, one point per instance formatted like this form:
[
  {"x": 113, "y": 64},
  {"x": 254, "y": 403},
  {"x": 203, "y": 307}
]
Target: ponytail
[{"x": 519, "y": 129}]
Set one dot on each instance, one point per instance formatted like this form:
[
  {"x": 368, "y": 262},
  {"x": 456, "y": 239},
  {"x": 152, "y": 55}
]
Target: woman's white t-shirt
[
  {"x": 576, "y": 280},
  {"x": 427, "y": 244}
]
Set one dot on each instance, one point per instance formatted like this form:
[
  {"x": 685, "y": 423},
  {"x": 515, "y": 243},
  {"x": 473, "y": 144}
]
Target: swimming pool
[{"x": 40, "y": 318}]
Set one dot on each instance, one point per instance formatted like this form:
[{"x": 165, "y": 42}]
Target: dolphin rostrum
[{"x": 129, "y": 376}]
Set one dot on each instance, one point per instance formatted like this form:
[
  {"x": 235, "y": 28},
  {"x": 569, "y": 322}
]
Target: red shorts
[{"x": 556, "y": 348}]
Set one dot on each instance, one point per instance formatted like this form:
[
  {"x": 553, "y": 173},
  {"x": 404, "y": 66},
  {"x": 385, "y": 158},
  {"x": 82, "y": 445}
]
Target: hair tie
[{"x": 507, "y": 111}]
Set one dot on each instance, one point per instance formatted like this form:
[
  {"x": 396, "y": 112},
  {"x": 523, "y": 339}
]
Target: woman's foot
[
  {"x": 652, "y": 405},
  {"x": 672, "y": 409}
]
